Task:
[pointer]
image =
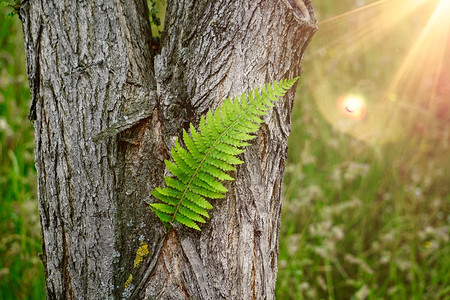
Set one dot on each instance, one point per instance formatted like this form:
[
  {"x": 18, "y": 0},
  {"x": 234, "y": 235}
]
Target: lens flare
[
  {"x": 352, "y": 107},
  {"x": 398, "y": 91}
]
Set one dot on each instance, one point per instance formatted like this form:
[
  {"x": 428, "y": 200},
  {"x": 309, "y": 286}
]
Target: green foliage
[
  {"x": 21, "y": 271},
  {"x": 210, "y": 154},
  {"x": 15, "y": 5},
  {"x": 156, "y": 14},
  {"x": 366, "y": 214},
  {"x": 360, "y": 219}
]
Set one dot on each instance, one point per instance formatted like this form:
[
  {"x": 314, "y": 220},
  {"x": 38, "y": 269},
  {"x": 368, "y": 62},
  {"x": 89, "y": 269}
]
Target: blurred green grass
[
  {"x": 362, "y": 219},
  {"x": 366, "y": 208},
  {"x": 21, "y": 272}
]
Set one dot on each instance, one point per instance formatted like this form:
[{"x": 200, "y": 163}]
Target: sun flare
[
  {"x": 352, "y": 107},
  {"x": 424, "y": 61},
  {"x": 406, "y": 43}
]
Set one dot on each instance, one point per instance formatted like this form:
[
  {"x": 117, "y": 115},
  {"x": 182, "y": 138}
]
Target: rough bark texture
[{"x": 106, "y": 109}]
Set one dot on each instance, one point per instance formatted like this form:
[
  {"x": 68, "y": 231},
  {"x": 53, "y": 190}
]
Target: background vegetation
[
  {"x": 21, "y": 271},
  {"x": 366, "y": 201}
]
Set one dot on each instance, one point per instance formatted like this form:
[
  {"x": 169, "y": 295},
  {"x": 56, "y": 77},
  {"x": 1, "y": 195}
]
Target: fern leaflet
[{"x": 210, "y": 153}]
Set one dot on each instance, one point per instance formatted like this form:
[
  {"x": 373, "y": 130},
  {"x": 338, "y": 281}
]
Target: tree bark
[{"x": 106, "y": 109}]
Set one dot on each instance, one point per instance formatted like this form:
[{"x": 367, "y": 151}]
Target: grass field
[
  {"x": 366, "y": 197},
  {"x": 21, "y": 271}
]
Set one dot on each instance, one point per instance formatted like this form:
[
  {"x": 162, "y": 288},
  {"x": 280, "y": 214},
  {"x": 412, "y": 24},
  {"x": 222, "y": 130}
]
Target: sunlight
[
  {"x": 379, "y": 18},
  {"x": 409, "y": 87},
  {"x": 445, "y": 4},
  {"x": 352, "y": 107},
  {"x": 354, "y": 11},
  {"x": 421, "y": 67}
]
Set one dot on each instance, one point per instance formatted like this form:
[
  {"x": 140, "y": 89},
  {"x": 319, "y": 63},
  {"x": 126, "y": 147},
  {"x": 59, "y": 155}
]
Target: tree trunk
[{"x": 106, "y": 109}]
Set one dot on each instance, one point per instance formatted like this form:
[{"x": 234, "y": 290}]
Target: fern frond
[{"x": 210, "y": 152}]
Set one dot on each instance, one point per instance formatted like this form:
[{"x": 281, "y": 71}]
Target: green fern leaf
[
  {"x": 165, "y": 218},
  {"x": 164, "y": 208},
  {"x": 185, "y": 221},
  {"x": 210, "y": 152},
  {"x": 195, "y": 207}
]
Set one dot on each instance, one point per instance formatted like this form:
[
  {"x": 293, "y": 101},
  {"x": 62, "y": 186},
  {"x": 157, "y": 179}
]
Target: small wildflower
[
  {"x": 362, "y": 293},
  {"x": 293, "y": 243},
  {"x": 304, "y": 286},
  {"x": 360, "y": 262},
  {"x": 321, "y": 283}
]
